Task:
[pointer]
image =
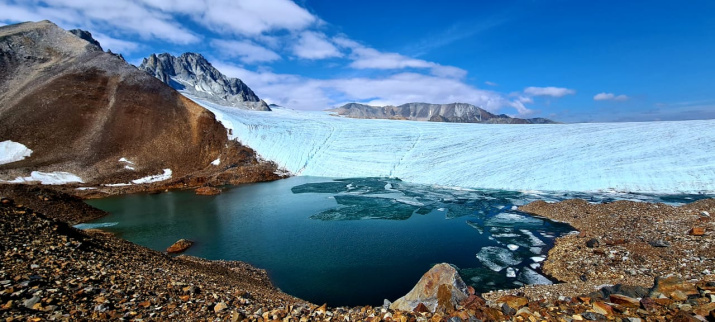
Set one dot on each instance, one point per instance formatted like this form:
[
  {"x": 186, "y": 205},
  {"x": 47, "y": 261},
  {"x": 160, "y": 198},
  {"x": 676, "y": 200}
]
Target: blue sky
[{"x": 573, "y": 61}]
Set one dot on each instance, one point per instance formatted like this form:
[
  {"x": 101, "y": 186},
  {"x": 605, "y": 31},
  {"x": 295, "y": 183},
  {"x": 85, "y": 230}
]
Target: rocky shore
[{"x": 51, "y": 271}]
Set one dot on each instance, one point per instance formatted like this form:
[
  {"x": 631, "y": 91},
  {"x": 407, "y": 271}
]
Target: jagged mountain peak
[
  {"x": 86, "y": 35},
  {"x": 193, "y": 74}
]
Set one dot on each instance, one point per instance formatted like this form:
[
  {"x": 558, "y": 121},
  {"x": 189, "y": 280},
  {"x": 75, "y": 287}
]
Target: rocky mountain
[
  {"x": 73, "y": 111},
  {"x": 193, "y": 74},
  {"x": 455, "y": 112}
]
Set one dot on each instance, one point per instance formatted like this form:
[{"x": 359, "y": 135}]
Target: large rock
[
  {"x": 440, "y": 289},
  {"x": 208, "y": 191},
  {"x": 193, "y": 74},
  {"x": 179, "y": 246}
]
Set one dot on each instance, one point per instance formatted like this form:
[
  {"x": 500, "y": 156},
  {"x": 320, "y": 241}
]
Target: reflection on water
[{"x": 354, "y": 241}]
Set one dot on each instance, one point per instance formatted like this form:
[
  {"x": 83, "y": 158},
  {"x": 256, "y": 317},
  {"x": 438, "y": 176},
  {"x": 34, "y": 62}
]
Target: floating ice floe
[
  {"x": 497, "y": 258},
  {"x": 511, "y": 272},
  {"x": 538, "y": 259},
  {"x": 96, "y": 225},
  {"x": 512, "y": 247},
  {"x": 535, "y": 241},
  {"x": 49, "y": 178},
  {"x": 529, "y": 276},
  {"x": 506, "y": 219},
  {"x": 12, "y": 151}
]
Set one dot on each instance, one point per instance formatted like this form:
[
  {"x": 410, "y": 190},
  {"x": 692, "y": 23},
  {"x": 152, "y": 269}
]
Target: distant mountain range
[
  {"x": 191, "y": 73},
  {"x": 455, "y": 112}
]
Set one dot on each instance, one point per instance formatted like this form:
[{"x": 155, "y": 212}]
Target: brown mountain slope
[{"x": 80, "y": 110}]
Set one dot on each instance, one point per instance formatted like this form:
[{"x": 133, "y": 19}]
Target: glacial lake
[{"x": 353, "y": 241}]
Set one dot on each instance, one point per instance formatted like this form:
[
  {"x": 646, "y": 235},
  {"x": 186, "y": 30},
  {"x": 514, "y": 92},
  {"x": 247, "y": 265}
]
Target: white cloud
[
  {"x": 610, "y": 97},
  {"x": 156, "y": 19},
  {"x": 116, "y": 45},
  {"x": 315, "y": 45},
  {"x": 491, "y": 83},
  {"x": 311, "y": 94},
  {"x": 121, "y": 16},
  {"x": 369, "y": 58},
  {"x": 549, "y": 91},
  {"x": 246, "y": 51},
  {"x": 252, "y": 17}
]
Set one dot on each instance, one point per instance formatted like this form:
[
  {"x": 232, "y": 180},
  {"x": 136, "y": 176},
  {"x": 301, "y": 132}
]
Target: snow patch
[
  {"x": 86, "y": 188},
  {"x": 49, "y": 178},
  {"x": 217, "y": 161},
  {"x": 12, "y": 151},
  {"x": 154, "y": 178},
  {"x": 116, "y": 184}
]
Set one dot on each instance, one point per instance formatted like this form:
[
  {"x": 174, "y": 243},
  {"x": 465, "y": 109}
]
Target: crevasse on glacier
[{"x": 657, "y": 157}]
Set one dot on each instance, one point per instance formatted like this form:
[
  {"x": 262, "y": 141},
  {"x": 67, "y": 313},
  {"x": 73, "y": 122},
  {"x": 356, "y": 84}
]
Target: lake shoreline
[{"x": 259, "y": 295}]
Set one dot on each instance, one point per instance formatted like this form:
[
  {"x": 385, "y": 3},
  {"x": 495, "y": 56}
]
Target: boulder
[
  {"x": 208, "y": 191},
  {"x": 439, "y": 290},
  {"x": 623, "y": 300},
  {"x": 669, "y": 285},
  {"x": 697, "y": 231},
  {"x": 515, "y": 302},
  {"x": 179, "y": 246}
]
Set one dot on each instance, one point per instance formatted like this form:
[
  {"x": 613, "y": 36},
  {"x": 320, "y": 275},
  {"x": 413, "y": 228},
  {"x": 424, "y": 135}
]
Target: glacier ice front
[{"x": 658, "y": 157}]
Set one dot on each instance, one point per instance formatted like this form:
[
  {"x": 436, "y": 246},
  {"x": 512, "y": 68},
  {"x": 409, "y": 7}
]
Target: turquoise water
[{"x": 348, "y": 241}]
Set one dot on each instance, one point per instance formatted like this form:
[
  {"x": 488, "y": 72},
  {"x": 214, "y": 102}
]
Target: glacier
[{"x": 650, "y": 157}]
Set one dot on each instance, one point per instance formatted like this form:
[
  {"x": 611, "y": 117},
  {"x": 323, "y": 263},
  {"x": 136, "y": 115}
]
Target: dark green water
[{"x": 346, "y": 242}]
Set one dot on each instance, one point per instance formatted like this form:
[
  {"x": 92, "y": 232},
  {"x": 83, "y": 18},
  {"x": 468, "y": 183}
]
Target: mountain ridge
[
  {"x": 89, "y": 113},
  {"x": 193, "y": 74},
  {"x": 453, "y": 112}
]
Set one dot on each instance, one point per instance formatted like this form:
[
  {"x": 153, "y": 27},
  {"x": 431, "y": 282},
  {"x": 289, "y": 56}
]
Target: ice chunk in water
[
  {"x": 95, "y": 225},
  {"x": 512, "y": 247},
  {"x": 511, "y": 272},
  {"x": 529, "y": 276},
  {"x": 497, "y": 258},
  {"x": 538, "y": 259},
  {"x": 535, "y": 241},
  {"x": 511, "y": 219}
]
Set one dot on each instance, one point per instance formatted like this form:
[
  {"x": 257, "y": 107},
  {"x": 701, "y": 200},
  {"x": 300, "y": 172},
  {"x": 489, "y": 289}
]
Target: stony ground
[
  {"x": 626, "y": 242},
  {"x": 51, "y": 271}
]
